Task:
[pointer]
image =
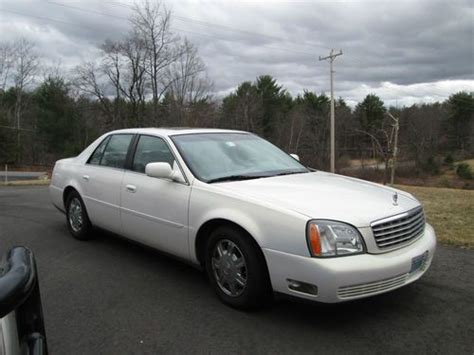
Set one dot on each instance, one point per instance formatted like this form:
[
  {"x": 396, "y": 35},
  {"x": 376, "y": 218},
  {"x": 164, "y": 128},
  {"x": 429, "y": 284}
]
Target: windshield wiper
[
  {"x": 236, "y": 178},
  {"x": 250, "y": 177},
  {"x": 290, "y": 173}
]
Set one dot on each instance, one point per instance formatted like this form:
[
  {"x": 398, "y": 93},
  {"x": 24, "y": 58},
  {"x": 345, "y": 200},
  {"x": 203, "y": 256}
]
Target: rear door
[
  {"x": 155, "y": 211},
  {"x": 102, "y": 179}
]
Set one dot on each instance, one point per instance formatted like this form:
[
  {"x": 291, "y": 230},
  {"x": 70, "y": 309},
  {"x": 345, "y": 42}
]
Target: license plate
[{"x": 418, "y": 262}]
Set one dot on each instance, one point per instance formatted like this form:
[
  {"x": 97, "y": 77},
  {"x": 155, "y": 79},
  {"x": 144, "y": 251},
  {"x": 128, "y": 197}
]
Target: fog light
[{"x": 302, "y": 287}]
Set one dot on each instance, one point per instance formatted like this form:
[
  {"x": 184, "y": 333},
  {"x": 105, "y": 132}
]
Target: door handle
[
  {"x": 131, "y": 188},
  {"x": 85, "y": 177}
]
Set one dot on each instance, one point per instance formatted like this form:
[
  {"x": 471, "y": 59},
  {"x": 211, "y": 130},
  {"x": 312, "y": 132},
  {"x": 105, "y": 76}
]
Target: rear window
[
  {"x": 116, "y": 151},
  {"x": 99, "y": 151},
  {"x": 112, "y": 152}
]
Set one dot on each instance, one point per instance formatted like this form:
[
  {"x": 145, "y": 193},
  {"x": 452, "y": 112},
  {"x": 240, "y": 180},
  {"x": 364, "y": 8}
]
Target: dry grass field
[
  {"x": 469, "y": 162},
  {"x": 449, "y": 211}
]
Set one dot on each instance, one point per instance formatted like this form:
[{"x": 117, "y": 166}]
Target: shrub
[
  {"x": 431, "y": 166},
  {"x": 464, "y": 171},
  {"x": 449, "y": 161}
]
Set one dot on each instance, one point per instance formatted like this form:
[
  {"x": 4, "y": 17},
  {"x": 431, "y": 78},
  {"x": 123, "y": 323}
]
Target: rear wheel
[
  {"x": 76, "y": 217},
  {"x": 236, "y": 269}
]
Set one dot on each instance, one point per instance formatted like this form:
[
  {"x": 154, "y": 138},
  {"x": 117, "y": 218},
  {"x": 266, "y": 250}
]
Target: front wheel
[
  {"x": 236, "y": 269},
  {"x": 76, "y": 217}
]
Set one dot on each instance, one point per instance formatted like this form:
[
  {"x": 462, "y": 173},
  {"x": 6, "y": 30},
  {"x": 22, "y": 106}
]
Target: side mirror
[
  {"x": 295, "y": 156},
  {"x": 159, "y": 170},
  {"x": 163, "y": 171}
]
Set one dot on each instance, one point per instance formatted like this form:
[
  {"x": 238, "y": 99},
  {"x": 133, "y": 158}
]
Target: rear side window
[
  {"x": 99, "y": 151},
  {"x": 151, "y": 150},
  {"x": 116, "y": 150}
]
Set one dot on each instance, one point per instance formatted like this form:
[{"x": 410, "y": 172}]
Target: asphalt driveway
[{"x": 110, "y": 296}]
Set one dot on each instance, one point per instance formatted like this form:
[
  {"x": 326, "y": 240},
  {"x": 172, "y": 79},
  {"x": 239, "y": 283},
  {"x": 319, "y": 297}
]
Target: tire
[
  {"x": 240, "y": 285},
  {"x": 77, "y": 219}
]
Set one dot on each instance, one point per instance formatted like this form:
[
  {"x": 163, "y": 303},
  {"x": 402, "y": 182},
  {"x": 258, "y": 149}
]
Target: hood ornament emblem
[{"x": 395, "y": 199}]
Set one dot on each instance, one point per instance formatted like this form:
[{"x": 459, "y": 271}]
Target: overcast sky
[{"x": 404, "y": 51}]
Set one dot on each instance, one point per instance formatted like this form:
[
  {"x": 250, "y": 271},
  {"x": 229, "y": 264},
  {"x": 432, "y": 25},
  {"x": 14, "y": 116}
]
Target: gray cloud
[{"x": 390, "y": 48}]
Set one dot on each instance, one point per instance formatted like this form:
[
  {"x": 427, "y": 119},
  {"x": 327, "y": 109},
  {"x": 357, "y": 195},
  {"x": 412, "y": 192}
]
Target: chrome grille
[
  {"x": 372, "y": 288},
  {"x": 399, "y": 229}
]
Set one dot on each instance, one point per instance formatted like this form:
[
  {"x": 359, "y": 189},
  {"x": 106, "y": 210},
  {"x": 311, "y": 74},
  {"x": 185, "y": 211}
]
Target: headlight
[{"x": 330, "y": 238}]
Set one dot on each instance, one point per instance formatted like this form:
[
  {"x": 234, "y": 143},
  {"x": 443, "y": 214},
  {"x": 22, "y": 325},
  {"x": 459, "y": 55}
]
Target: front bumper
[{"x": 350, "y": 277}]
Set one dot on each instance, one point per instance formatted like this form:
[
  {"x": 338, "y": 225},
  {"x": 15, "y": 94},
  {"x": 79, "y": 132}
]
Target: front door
[{"x": 155, "y": 211}]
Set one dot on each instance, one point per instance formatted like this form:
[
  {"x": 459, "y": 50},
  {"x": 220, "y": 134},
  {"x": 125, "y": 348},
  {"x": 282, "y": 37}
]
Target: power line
[
  {"x": 44, "y": 18},
  {"x": 175, "y": 28},
  {"x": 86, "y": 10},
  {"x": 187, "y": 19},
  {"x": 221, "y": 26},
  {"x": 181, "y": 29},
  {"x": 202, "y": 23}
]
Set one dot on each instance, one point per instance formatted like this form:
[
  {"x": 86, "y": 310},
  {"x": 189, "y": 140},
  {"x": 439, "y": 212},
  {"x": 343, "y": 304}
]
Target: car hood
[{"x": 323, "y": 195}]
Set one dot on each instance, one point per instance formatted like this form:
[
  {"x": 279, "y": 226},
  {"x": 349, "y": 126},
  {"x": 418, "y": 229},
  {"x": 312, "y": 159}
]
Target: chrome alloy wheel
[
  {"x": 229, "y": 267},
  {"x": 75, "y": 215}
]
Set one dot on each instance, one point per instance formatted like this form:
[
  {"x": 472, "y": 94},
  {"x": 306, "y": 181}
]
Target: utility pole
[
  {"x": 332, "y": 55},
  {"x": 396, "y": 127}
]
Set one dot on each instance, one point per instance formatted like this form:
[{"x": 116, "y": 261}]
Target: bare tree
[
  {"x": 151, "y": 21},
  {"x": 383, "y": 141},
  {"x": 118, "y": 77},
  {"x": 297, "y": 125},
  {"x": 111, "y": 66},
  {"x": 186, "y": 78},
  {"x": 7, "y": 59},
  {"x": 134, "y": 51},
  {"x": 25, "y": 68},
  {"x": 124, "y": 64},
  {"x": 88, "y": 79},
  {"x": 148, "y": 62}
]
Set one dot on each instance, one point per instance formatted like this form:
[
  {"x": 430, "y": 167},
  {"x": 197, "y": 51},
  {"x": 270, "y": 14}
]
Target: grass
[
  {"x": 449, "y": 211},
  {"x": 469, "y": 162}
]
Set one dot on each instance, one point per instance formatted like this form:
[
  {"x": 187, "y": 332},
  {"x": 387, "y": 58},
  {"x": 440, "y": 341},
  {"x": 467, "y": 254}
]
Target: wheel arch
[
  {"x": 67, "y": 190},
  {"x": 207, "y": 227}
]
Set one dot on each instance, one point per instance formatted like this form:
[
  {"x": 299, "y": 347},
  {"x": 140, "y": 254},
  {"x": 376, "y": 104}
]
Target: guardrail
[
  {"x": 22, "y": 328},
  {"x": 7, "y": 175}
]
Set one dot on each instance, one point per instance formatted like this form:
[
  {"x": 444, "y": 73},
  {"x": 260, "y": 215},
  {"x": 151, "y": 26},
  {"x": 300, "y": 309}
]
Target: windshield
[{"x": 216, "y": 157}]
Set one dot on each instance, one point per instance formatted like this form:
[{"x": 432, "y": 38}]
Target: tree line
[{"x": 153, "y": 77}]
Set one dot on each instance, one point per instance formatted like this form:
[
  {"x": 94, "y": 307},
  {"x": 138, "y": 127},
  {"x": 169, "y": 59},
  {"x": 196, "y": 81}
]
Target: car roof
[{"x": 172, "y": 131}]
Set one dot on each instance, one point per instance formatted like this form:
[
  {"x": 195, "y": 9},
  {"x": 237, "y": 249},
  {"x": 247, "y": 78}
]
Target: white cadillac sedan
[{"x": 251, "y": 215}]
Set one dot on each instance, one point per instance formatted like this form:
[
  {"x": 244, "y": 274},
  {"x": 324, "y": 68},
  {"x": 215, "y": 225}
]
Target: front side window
[
  {"x": 216, "y": 157},
  {"x": 151, "y": 150},
  {"x": 116, "y": 151}
]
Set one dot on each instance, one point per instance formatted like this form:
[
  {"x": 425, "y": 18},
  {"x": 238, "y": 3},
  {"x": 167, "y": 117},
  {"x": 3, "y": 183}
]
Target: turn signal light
[{"x": 314, "y": 240}]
